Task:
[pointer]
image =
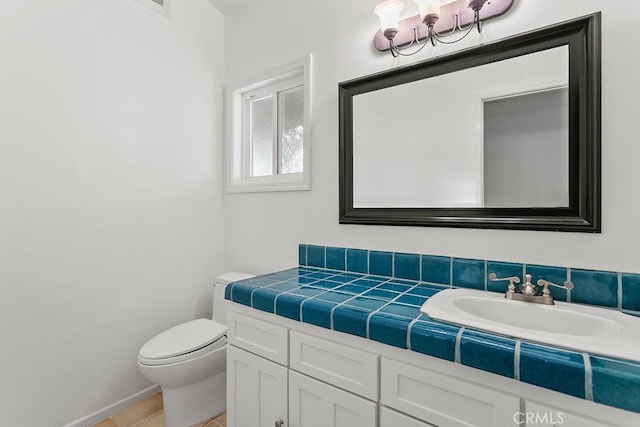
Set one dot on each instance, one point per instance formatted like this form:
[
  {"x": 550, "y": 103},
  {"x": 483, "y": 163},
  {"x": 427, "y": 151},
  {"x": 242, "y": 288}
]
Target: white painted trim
[
  {"x": 114, "y": 408},
  {"x": 234, "y": 161},
  {"x": 163, "y": 10}
]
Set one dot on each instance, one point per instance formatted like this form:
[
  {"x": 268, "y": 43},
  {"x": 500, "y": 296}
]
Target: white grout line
[
  {"x": 486, "y": 286},
  {"x": 393, "y": 264},
  {"x": 368, "y": 254},
  {"x": 324, "y": 262},
  {"x": 345, "y": 260},
  {"x": 588, "y": 377},
  {"x": 516, "y": 360},
  {"x": 458, "y": 356},
  {"x": 413, "y": 322},
  {"x": 619, "y": 291},
  {"x": 451, "y": 272}
]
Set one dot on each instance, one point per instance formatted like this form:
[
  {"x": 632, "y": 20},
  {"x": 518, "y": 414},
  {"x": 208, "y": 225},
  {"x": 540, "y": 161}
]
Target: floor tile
[
  {"x": 155, "y": 420},
  {"x": 138, "y": 411},
  {"x": 106, "y": 423}
]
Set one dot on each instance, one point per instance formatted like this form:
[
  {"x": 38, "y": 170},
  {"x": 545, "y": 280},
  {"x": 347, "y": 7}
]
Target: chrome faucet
[{"x": 528, "y": 291}]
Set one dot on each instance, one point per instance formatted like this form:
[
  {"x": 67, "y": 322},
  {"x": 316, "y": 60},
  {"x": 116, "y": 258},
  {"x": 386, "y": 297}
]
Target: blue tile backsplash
[
  {"x": 358, "y": 260},
  {"x": 381, "y": 263},
  {"x": 436, "y": 269},
  {"x": 377, "y": 295},
  {"x": 595, "y": 287},
  {"x": 406, "y": 266},
  {"x": 631, "y": 291},
  {"x": 335, "y": 258},
  {"x": 468, "y": 273}
]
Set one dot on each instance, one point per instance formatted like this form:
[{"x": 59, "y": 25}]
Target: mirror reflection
[{"x": 495, "y": 135}]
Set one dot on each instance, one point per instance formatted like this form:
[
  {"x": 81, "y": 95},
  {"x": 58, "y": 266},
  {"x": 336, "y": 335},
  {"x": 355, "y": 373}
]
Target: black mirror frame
[{"x": 583, "y": 36}]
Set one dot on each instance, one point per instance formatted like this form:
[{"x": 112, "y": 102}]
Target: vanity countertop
[{"x": 387, "y": 310}]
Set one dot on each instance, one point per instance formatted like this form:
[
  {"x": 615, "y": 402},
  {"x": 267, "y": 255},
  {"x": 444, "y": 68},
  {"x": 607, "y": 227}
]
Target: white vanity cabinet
[{"x": 283, "y": 373}]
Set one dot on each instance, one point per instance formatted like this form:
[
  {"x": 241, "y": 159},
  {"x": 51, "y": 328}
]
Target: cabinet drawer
[
  {"x": 346, "y": 367},
  {"x": 443, "y": 400},
  {"x": 256, "y": 336},
  {"x": 391, "y": 418}
]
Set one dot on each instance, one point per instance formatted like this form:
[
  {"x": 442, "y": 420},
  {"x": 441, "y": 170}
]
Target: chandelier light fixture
[{"x": 436, "y": 22}]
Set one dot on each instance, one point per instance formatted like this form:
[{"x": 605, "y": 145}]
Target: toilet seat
[{"x": 183, "y": 342}]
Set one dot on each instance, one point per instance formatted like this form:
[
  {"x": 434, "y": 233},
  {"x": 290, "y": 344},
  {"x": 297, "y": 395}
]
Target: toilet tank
[{"x": 220, "y": 305}]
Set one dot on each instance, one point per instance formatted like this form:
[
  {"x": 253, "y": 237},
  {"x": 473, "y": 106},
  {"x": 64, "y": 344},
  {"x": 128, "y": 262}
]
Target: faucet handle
[
  {"x": 545, "y": 286},
  {"x": 512, "y": 281}
]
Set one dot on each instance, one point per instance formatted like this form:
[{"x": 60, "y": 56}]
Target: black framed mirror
[{"x": 504, "y": 135}]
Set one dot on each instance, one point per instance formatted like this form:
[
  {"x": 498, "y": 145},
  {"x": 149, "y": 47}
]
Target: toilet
[{"x": 189, "y": 361}]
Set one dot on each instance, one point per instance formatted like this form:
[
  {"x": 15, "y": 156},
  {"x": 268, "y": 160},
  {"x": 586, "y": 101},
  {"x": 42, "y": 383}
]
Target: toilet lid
[{"x": 182, "y": 339}]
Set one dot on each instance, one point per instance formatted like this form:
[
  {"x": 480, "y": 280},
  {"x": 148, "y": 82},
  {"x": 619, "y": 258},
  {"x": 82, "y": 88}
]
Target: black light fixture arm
[
  {"x": 432, "y": 35},
  {"x": 476, "y": 21}
]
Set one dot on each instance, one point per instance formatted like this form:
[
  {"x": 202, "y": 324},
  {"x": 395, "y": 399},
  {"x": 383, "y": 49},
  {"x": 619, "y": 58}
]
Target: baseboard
[{"x": 110, "y": 410}]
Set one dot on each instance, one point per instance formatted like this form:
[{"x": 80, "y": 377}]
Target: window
[{"x": 270, "y": 132}]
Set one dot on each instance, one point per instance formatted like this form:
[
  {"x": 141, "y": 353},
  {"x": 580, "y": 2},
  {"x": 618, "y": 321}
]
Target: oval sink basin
[
  {"x": 578, "y": 327},
  {"x": 543, "y": 318}
]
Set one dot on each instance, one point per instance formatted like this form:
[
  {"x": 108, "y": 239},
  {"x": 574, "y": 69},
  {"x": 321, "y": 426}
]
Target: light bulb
[
  {"x": 428, "y": 7},
  {"x": 389, "y": 13}
]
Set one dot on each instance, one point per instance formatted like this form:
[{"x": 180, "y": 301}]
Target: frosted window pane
[
  {"x": 262, "y": 137},
  {"x": 291, "y": 130}
]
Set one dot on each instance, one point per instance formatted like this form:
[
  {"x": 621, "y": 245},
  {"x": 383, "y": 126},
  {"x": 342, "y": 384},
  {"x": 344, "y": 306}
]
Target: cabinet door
[
  {"x": 256, "y": 390},
  {"x": 315, "y": 404}
]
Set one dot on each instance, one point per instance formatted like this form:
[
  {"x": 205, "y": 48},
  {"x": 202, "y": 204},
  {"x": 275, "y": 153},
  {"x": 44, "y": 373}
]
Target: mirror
[{"x": 505, "y": 135}]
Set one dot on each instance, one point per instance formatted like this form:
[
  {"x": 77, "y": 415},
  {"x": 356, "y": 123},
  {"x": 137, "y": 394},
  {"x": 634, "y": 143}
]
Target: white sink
[{"x": 578, "y": 327}]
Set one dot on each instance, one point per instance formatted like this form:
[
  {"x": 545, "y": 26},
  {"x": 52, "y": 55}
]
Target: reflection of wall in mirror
[
  {"x": 419, "y": 144},
  {"x": 526, "y": 147}
]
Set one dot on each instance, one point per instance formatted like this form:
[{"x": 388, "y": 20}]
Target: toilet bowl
[{"x": 188, "y": 361}]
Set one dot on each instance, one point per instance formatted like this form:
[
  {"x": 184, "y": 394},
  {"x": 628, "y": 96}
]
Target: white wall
[
  {"x": 110, "y": 194},
  {"x": 262, "y": 230}
]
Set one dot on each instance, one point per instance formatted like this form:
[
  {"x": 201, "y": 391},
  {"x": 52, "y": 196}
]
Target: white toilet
[{"x": 188, "y": 361}]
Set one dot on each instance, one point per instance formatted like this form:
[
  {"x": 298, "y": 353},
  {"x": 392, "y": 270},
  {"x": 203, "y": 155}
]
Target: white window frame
[{"x": 239, "y": 179}]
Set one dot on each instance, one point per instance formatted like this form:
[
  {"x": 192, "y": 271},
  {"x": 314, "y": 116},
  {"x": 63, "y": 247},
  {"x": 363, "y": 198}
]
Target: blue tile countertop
[{"x": 387, "y": 310}]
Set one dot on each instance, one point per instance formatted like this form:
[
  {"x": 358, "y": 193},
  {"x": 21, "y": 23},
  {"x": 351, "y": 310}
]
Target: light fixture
[
  {"x": 458, "y": 15},
  {"x": 389, "y": 13}
]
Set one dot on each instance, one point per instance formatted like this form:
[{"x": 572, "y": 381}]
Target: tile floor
[{"x": 148, "y": 413}]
